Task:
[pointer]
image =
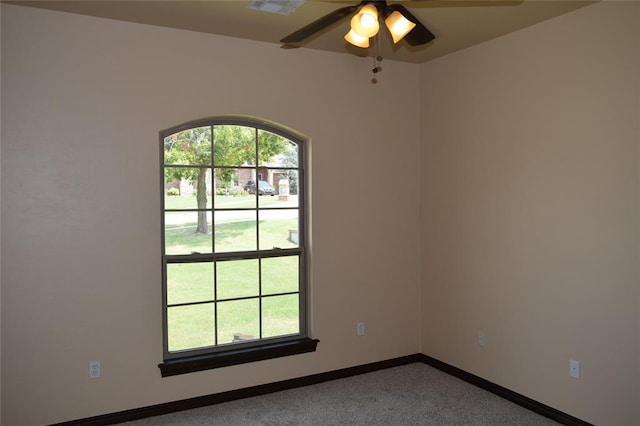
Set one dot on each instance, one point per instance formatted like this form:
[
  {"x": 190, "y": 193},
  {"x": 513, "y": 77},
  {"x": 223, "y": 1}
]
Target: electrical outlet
[
  {"x": 481, "y": 339},
  {"x": 360, "y": 329},
  {"x": 574, "y": 368},
  {"x": 94, "y": 369}
]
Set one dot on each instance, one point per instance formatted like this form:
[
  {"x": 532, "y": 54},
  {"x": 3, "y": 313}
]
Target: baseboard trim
[
  {"x": 505, "y": 393},
  {"x": 217, "y": 398}
]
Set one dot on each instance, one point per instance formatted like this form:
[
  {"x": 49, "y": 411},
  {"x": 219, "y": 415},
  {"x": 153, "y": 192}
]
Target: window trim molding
[
  {"x": 199, "y": 359},
  {"x": 241, "y": 355}
]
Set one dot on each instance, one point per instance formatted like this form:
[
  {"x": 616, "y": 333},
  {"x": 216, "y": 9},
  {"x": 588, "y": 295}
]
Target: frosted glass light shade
[
  {"x": 356, "y": 39},
  {"x": 398, "y": 25},
  {"x": 365, "y": 22}
]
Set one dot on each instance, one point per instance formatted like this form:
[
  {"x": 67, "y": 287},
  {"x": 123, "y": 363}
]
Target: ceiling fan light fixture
[
  {"x": 365, "y": 22},
  {"x": 365, "y": 17},
  {"x": 356, "y": 39},
  {"x": 398, "y": 25}
]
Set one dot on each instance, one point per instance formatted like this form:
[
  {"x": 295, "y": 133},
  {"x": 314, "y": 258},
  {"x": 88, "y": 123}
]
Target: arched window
[{"x": 234, "y": 243}]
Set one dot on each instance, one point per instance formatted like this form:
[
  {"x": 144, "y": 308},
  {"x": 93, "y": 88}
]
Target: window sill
[{"x": 192, "y": 364}]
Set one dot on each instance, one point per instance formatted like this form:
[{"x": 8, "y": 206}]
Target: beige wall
[
  {"x": 530, "y": 211},
  {"x": 83, "y": 100},
  {"x": 530, "y": 207}
]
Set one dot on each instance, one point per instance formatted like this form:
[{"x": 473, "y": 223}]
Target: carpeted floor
[{"x": 414, "y": 394}]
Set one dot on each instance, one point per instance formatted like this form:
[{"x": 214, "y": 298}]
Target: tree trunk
[{"x": 202, "y": 201}]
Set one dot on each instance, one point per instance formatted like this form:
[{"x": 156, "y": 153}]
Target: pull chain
[{"x": 376, "y": 59}]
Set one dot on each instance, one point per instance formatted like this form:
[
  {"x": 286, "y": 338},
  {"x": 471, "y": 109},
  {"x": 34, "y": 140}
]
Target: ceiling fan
[{"x": 365, "y": 24}]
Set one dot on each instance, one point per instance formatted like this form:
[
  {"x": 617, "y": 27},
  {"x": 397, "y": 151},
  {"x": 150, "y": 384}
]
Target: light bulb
[{"x": 368, "y": 20}]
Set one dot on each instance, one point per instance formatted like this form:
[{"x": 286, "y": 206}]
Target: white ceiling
[{"x": 456, "y": 23}]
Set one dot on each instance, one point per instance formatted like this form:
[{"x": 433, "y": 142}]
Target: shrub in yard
[
  {"x": 173, "y": 192},
  {"x": 238, "y": 192}
]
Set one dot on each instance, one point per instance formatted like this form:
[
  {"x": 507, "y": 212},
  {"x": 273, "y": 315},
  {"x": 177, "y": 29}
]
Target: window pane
[
  {"x": 189, "y": 282},
  {"x": 233, "y": 188},
  {"x": 276, "y": 151},
  {"x": 189, "y": 148},
  {"x": 286, "y": 188},
  {"x": 280, "y": 274},
  {"x": 238, "y": 320},
  {"x": 280, "y": 315},
  {"x": 237, "y": 278},
  {"x": 187, "y": 232},
  {"x": 180, "y": 187},
  {"x": 234, "y": 145},
  {"x": 190, "y": 327},
  {"x": 235, "y": 230},
  {"x": 278, "y": 228}
]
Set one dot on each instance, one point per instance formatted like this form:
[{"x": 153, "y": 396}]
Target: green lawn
[
  {"x": 181, "y": 238},
  {"x": 194, "y": 325},
  {"x": 222, "y": 202}
]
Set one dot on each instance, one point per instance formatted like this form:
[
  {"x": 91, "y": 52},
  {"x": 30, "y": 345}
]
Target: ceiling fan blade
[
  {"x": 319, "y": 24},
  {"x": 419, "y": 34}
]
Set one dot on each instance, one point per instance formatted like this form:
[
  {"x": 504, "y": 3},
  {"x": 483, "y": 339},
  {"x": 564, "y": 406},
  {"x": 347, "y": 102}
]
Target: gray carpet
[{"x": 414, "y": 394}]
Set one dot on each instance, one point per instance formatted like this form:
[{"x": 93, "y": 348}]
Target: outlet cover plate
[
  {"x": 94, "y": 369},
  {"x": 574, "y": 368}
]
